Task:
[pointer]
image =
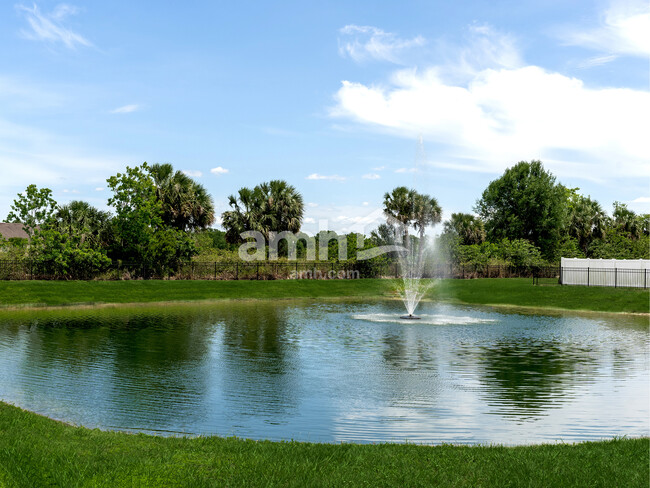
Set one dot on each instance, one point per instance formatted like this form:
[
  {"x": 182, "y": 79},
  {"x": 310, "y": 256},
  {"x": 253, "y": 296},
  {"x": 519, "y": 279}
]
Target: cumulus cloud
[
  {"x": 126, "y": 109},
  {"x": 371, "y": 176},
  {"x": 193, "y": 173},
  {"x": 316, "y": 176},
  {"x": 344, "y": 218},
  {"x": 219, "y": 171},
  {"x": 50, "y": 27},
  {"x": 623, "y": 29},
  {"x": 509, "y": 112},
  {"x": 363, "y": 42}
]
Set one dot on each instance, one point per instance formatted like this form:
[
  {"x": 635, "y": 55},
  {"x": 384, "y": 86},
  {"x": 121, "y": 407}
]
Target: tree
[
  {"x": 186, "y": 205},
  {"x": 383, "y": 235},
  {"x": 398, "y": 209},
  {"x": 586, "y": 220},
  {"x": 467, "y": 227},
  {"x": 426, "y": 212},
  {"x": 269, "y": 207},
  {"x": 33, "y": 208},
  {"x": 627, "y": 222},
  {"x": 138, "y": 212},
  {"x": 282, "y": 207},
  {"x": 141, "y": 234},
  {"x": 406, "y": 208},
  {"x": 87, "y": 224},
  {"x": 525, "y": 203},
  {"x": 63, "y": 255}
]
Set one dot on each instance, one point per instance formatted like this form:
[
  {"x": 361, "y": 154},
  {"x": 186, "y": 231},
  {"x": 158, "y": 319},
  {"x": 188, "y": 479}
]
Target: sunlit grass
[
  {"x": 36, "y": 451},
  {"x": 494, "y": 291}
]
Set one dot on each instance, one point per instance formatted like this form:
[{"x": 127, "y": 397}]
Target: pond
[{"x": 332, "y": 371}]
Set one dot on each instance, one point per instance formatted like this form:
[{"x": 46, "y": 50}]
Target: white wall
[{"x": 606, "y": 272}]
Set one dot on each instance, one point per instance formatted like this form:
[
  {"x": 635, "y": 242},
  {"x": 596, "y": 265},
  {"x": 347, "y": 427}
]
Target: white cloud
[
  {"x": 597, "y": 61},
  {"x": 70, "y": 191},
  {"x": 362, "y": 42},
  {"x": 485, "y": 47},
  {"x": 624, "y": 29},
  {"x": 348, "y": 218},
  {"x": 406, "y": 170},
  {"x": 99, "y": 188},
  {"x": 316, "y": 176},
  {"x": 312, "y": 204},
  {"x": 309, "y": 220},
  {"x": 365, "y": 204},
  {"x": 371, "y": 176},
  {"x": 50, "y": 28},
  {"x": 193, "y": 173},
  {"x": 379, "y": 168},
  {"x": 219, "y": 171},
  {"x": 126, "y": 109},
  {"x": 495, "y": 116},
  {"x": 640, "y": 205}
]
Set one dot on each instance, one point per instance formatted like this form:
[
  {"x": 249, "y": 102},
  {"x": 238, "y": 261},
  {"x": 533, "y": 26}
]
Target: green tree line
[{"x": 163, "y": 218}]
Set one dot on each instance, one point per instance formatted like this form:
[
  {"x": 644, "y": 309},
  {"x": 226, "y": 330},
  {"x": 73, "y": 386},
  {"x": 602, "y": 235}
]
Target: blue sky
[{"x": 330, "y": 96}]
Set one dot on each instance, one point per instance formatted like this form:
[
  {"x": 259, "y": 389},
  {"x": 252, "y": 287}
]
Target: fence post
[
  {"x": 587, "y": 275},
  {"x": 645, "y": 278},
  {"x": 615, "y": 277}
]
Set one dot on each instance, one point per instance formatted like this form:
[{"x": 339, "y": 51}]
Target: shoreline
[
  {"x": 213, "y": 301},
  {"x": 183, "y": 435},
  {"x": 38, "y": 451}
]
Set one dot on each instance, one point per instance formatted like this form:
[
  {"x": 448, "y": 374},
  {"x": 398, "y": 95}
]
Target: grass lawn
[
  {"x": 36, "y": 451},
  {"x": 497, "y": 291}
]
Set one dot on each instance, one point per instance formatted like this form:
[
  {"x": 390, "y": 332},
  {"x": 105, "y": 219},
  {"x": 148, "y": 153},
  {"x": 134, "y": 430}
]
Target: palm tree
[
  {"x": 244, "y": 216},
  {"x": 270, "y": 207},
  {"x": 627, "y": 221},
  {"x": 586, "y": 221},
  {"x": 186, "y": 204},
  {"x": 398, "y": 209},
  {"x": 281, "y": 207},
  {"x": 426, "y": 212},
  {"x": 469, "y": 228},
  {"x": 83, "y": 221}
]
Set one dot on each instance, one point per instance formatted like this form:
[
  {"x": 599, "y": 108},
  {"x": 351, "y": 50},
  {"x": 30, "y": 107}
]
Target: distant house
[{"x": 9, "y": 231}]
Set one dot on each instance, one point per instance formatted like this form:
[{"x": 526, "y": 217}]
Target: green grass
[
  {"x": 506, "y": 291},
  {"x": 36, "y": 451}
]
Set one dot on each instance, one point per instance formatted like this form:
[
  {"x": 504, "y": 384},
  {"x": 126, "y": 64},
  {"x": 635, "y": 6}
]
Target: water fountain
[
  {"x": 412, "y": 286},
  {"x": 404, "y": 209}
]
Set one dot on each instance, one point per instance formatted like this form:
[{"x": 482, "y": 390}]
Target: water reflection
[
  {"x": 260, "y": 344},
  {"x": 528, "y": 377},
  {"x": 321, "y": 372}
]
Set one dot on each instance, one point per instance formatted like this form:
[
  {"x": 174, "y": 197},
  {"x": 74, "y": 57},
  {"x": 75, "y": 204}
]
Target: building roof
[{"x": 12, "y": 230}]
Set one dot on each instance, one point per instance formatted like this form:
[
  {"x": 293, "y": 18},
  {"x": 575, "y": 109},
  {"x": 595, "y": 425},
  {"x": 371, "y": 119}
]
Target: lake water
[{"x": 332, "y": 371}]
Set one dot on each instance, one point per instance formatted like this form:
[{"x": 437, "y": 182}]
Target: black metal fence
[{"x": 262, "y": 270}]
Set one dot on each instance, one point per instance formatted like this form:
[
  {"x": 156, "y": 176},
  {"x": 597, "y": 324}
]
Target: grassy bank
[
  {"x": 36, "y": 451},
  {"x": 511, "y": 291}
]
